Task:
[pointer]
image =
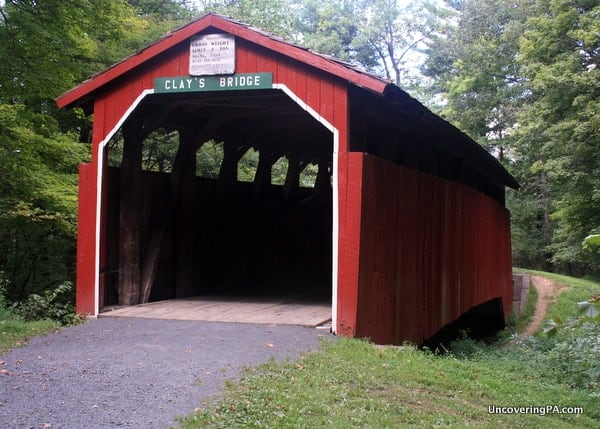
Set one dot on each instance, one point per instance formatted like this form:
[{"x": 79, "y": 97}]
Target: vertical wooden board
[
  {"x": 453, "y": 248},
  {"x": 366, "y": 317},
  {"x": 375, "y": 313},
  {"x": 183, "y": 59},
  {"x": 490, "y": 247},
  {"x": 468, "y": 266},
  {"x": 303, "y": 85},
  {"x": 393, "y": 255},
  {"x": 424, "y": 250},
  {"x": 98, "y": 126},
  {"x": 265, "y": 61},
  {"x": 350, "y": 188},
  {"x": 116, "y": 104},
  {"x": 437, "y": 252},
  {"x": 312, "y": 94},
  {"x": 85, "y": 294},
  {"x": 508, "y": 290},
  {"x": 241, "y": 56},
  {"x": 341, "y": 116},
  {"x": 326, "y": 100},
  {"x": 252, "y": 61},
  {"x": 286, "y": 74},
  {"x": 408, "y": 291},
  {"x": 104, "y": 213},
  {"x": 86, "y": 219}
]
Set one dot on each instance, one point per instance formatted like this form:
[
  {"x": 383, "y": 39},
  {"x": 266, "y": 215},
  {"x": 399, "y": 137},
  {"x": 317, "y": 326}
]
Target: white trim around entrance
[{"x": 335, "y": 202}]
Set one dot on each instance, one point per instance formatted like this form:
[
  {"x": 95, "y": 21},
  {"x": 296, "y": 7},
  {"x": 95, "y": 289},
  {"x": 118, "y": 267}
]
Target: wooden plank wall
[
  {"x": 86, "y": 237},
  {"x": 239, "y": 244},
  {"x": 431, "y": 249}
]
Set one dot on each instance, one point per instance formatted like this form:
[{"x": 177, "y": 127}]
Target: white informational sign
[{"x": 212, "y": 54}]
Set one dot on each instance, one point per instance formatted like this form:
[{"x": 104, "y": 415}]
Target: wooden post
[
  {"x": 323, "y": 180},
  {"x": 263, "y": 171},
  {"x": 292, "y": 179},
  {"x": 228, "y": 174},
  {"x": 129, "y": 224},
  {"x": 183, "y": 167},
  {"x": 184, "y": 194}
]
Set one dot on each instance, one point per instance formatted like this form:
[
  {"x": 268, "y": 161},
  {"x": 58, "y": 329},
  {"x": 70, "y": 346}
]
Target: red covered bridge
[{"x": 403, "y": 227}]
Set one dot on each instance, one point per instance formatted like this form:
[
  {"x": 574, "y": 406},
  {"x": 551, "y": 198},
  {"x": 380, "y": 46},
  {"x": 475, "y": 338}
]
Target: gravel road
[{"x": 134, "y": 373}]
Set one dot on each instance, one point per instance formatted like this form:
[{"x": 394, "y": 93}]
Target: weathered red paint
[
  {"x": 85, "y": 292},
  {"x": 350, "y": 195},
  {"x": 325, "y": 94},
  {"x": 415, "y": 251},
  {"x": 430, "y": 250}
]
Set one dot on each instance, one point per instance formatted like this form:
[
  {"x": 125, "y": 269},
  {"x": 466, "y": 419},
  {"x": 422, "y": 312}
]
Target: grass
[
  {"x": 352, "y": 383},
  {"x": 519, "y": 324},
  {"x": 14, "y": 332},
  {"x": 579, "y": 289}
]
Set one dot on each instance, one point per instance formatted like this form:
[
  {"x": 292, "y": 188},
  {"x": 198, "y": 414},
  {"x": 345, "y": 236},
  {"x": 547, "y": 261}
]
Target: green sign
[{"x": 234, "y": 82}]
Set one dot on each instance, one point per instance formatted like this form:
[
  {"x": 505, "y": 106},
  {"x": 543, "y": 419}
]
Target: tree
[
  {"x": 38, "y": 185},
  {"x": 560, "y": 53},
  {"x": 476, "y": 72},
  {"x": 333, "y": 28},
  {"x": 46, "y": 48},
  {"x": 278, "y": 17},
  {"x": 396, "y": 31}
]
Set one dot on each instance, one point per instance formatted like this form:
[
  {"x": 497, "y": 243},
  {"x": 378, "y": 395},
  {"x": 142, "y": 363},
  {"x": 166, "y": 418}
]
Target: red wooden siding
[
  {"x": 350, "y": 195},
  {"x": 86, "y": 239},
  {"x": 414, "y": 251},
  {"x": 325, "y": 94},
  {"x": 431, "y": 249}
]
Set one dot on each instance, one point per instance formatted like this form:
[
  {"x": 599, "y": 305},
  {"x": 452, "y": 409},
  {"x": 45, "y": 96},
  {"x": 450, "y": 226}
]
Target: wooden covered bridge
[{"x": 401, "y": 225}]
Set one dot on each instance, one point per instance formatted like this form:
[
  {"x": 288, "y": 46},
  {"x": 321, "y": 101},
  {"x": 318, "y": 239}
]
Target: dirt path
[{"x": 547, "y": 290}]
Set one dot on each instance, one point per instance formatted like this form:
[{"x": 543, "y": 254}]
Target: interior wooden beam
[
  {"x": 129, "y": 226},
  {"x": 182, "y": 173}
]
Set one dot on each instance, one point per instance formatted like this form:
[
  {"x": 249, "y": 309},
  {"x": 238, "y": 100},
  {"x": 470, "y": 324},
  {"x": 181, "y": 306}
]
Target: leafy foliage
[
  {"x": 53, "y": 304},
  {"x": 38, "y": 183},
  {"x": 592, "y": 243},
  {"x": 47, "y": 47},
  {"x": 560, "y": 51},
  {"x": 522, "y": 78}
]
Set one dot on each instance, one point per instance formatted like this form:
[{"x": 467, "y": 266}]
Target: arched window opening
[
  {"x": 279, "y": 171},
  {"x": 308, "y": 176},
  {"x": 159, "y": 150},
  {"x": 248, "y": 165},
  {"x": 209, "y": 159}
]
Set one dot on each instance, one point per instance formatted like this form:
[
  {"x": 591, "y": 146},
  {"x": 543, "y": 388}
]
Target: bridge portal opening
[{"x": 216, "y": 194}]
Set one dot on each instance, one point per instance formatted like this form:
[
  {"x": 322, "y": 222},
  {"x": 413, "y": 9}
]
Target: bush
[
  {"x": 575, "y": 357},
  {"x": 55, "y": 304},
  {"x": 6, "y": 312}
]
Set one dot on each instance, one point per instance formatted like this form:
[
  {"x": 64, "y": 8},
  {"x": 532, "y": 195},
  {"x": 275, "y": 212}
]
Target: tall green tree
[
  {"x": 277, "y": 17},
  {"x": 560, "y": 53},
  {"x": 46, "y": 47},
  {"x": 333, "y": 28},
  {"x": 399, "y": 32},
  {"x": 38, "y": 200},
  {"x": 476, "y": 72}
]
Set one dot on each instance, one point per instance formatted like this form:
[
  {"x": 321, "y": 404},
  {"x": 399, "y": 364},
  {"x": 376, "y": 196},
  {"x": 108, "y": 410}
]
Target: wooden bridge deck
[{"x": 282, "y": 311}]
